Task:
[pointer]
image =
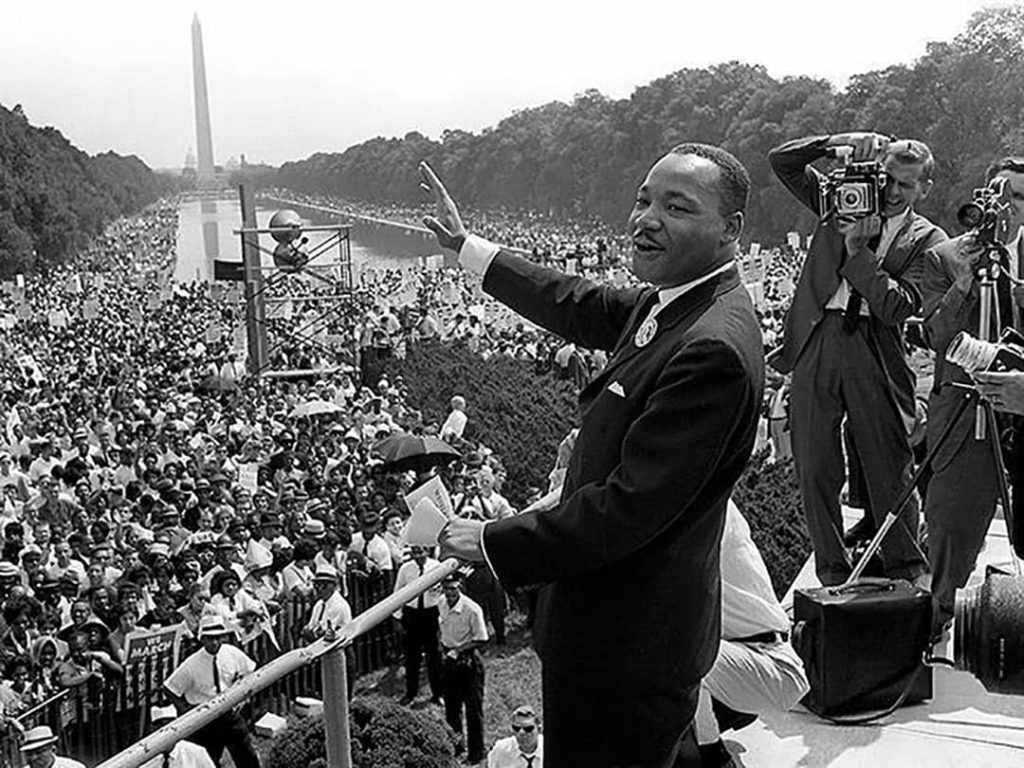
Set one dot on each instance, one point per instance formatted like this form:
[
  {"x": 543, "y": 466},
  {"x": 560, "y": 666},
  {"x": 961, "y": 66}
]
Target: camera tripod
[{"x": 986, "y": 426}]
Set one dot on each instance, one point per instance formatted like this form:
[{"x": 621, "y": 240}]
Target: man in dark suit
[
  {"x": 627, "y": 620},
  {"x": 843, "y": 343},
  {"x": 964, "y": 488}
]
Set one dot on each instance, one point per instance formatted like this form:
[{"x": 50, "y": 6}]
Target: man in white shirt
[
  {"x": 462, "y": 632},
  {"x": 419, "y": 619},
  {"x": 524, "y": 748},
  {"x": 455, "y": 424},
  {"x": 369, "y": 543},
  {"x": 756, "y": 670},
  {"x": 39, "y": 750},
  {"x": 183, "y": 754},
  {"x": 206, "y": 673},
  {"x": 330, "y": 613}
]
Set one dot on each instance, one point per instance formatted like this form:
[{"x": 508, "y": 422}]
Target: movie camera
[
  {"x": 853, "y": 189},
  {"x": 989, "y": 213}
]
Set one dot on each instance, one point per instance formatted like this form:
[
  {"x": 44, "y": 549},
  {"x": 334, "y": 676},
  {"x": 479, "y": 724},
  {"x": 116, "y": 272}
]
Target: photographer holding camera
[
  {"x": 843, "y": 335},
  {"x": 963, "y": 491}
]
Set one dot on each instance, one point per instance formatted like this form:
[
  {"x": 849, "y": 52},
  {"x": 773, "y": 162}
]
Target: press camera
[
  {"x": 988, "y": 632},
  {"x": 853, "y": 189},
  {"x": 989, "y": 213}
]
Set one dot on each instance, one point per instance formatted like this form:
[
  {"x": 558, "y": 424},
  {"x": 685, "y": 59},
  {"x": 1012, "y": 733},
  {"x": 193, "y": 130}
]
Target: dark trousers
[
  {"x": 838, "y": 374},
  {"x": 961, "y": 500},
  {"x": 589, "y": 722},
  {"x": 419, "y": 635},
  {"x": 228, "y": 732},
  {"x": 464, "y": 686},
  {"x": 486, "y": 591}
]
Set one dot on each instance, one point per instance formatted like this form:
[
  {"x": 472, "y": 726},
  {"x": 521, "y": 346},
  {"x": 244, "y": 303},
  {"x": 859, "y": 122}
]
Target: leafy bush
[
  {"x": 384, "y": 735},
  {"x": 519, "y": 415},
  {"x": 768, "y": 495}
]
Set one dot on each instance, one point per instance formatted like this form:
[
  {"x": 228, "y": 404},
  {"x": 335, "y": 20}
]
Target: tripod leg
[{"x": 894, "y": 514}]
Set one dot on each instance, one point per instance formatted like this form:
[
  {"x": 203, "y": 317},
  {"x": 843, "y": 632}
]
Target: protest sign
[
  {"x": 247, "y": 476},
  {"x": 142, "y": 644}
]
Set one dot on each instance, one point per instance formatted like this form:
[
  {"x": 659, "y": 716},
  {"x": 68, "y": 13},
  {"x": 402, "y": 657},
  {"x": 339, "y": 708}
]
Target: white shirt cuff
[{"x": 476, "y": 254}]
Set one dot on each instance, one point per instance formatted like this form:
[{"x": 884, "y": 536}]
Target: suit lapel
[{"x": 679, "y": 315}]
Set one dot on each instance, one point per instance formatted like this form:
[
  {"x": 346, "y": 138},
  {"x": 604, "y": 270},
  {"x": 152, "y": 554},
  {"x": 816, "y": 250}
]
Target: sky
[{"x": 290, "y": 79}]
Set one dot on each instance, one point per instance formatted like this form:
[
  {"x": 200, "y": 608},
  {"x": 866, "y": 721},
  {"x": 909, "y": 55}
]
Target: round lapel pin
[{"x": 646, "y": 332}]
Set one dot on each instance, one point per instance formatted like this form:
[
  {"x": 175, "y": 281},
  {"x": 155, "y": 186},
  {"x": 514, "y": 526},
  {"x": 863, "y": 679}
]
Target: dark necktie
[
  {"x": 528, "y": 758},
  {"x": 851, "y": 315},
  {"x": 167, "y": 760},
  {"x": 419, "y": 600},
  {"x": 216, "y": 675}
]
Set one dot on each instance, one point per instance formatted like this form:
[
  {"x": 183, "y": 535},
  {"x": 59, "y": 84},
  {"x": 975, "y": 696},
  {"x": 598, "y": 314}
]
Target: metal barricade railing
[{"x": 272, "y": 678}]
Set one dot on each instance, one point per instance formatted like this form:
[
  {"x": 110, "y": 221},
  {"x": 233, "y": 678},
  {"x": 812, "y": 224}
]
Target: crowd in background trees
[
  {"x": 54, "y": 198},
  {"x": 962, "y": 97}
]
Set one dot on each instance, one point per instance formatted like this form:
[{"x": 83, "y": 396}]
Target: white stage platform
[{"x": 963, "y": 726}]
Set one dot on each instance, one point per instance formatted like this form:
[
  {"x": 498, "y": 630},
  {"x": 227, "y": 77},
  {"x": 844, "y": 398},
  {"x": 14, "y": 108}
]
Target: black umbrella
[{"x": 402, "y": 452}]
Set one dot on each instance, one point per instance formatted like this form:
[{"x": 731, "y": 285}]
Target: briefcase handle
[{"x": 864, "y": 583}]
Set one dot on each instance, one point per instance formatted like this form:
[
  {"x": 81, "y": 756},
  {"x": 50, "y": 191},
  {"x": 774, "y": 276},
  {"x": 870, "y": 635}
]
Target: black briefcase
[{"x": 862, "y": 644}]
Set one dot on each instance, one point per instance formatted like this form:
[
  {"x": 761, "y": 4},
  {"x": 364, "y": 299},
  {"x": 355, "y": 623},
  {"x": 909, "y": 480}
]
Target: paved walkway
[{"x": 963, "y": 726}]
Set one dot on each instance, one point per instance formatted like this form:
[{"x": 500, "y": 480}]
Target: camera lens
[
  {"x": 989, "y": 632},
  {"x": 970, "y": 215}
]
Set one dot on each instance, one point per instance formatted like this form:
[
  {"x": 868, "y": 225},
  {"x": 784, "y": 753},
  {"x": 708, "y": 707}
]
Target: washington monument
[{"x": 204, "y": 139}]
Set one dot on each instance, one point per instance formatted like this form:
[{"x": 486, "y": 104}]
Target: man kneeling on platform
[{"x": 756, "y": 670}]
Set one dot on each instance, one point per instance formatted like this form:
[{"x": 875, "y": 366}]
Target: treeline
[
  {"x": 54, "y": 197},
  {"x": 963, "y": 97}
]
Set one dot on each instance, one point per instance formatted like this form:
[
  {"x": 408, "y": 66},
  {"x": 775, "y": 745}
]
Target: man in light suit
[
  {"x": 843, "y": 343},
  {"x": 627, "y": 618}
]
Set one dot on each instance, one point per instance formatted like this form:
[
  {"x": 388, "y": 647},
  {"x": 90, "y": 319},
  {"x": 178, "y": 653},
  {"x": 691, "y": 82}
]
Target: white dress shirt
[
  {"x": 506, "y": 754},
  {"x": 184, "y": 754},
  {"x": 409, "y": 572},
  {"x": 749, "y": 605},
  {"x": 376, "y": 550},
  {"x": 334, "y": 613},
  {"x": 193, "y": 679},
  {"x": 461, "y": 623}
]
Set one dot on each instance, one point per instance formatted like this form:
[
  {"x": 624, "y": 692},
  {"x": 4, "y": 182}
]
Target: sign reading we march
[{"x": 142, "y": 645}]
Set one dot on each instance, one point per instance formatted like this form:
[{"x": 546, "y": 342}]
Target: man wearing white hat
[
  {"x": 331, "y": 611},
  {"x": 39, "y": 750},
  {"x": 183, "y": 754},
  {"x": 206, "y": 673}
]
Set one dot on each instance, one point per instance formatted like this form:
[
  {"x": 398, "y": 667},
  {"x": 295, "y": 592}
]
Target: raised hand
[{"x": 446, "y": 224}]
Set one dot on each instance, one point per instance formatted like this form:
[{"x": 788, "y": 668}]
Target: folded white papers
[
  {"x": 434, "y": 490},
  {"x": 424, "y": 524}
]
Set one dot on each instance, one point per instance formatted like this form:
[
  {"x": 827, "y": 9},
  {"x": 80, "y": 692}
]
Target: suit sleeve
[
  {"x": 947, "y": 309},
  {"x": 578, "y": 310},
  {"x": 701, "y": 400},
  {"x": 891, "y": 299},
  {"x": 791, "y": 162}
]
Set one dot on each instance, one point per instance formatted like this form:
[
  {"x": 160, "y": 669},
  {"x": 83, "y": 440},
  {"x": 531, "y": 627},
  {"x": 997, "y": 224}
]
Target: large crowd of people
[{"x": 149, "y": 480}]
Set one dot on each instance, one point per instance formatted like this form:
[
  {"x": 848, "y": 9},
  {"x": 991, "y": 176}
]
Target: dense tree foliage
[
  {"x": 963, "y": 97},
  {"x": 54, "y": 197}
]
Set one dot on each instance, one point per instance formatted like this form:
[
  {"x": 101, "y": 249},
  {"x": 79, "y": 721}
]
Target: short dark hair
[
  {"x": 734, "y": 186},
  {"x": 1011, "y": 163}
]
